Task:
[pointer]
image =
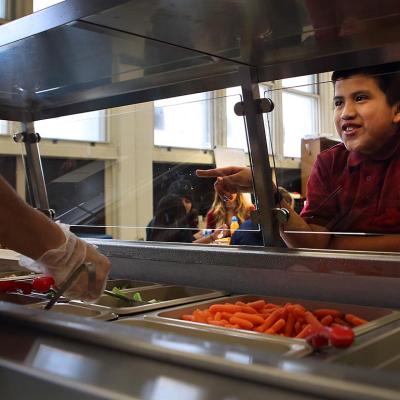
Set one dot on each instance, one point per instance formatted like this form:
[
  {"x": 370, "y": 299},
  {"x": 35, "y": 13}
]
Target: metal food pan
[
  {"x": 128, "y": 284},
  {"x": 78, "y": 310},
  {"x": 210, "y": 339},
  {"x": 166, "y": 296},
  {"x": 17, "y": 274},
  {"x": 22, "y": 299},
  {"x": 377, "y": 316}
]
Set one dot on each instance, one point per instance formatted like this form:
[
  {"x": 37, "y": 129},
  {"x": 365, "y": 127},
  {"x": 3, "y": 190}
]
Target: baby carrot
[
  {"x": 323, "y": 312},
  {"x": 249, "y": 310},
  {"x": 354, "y": 320},
  {"x": 311, "y": 320},
  {"x": 233, "y": 326},
  {"x": 289, "y": 325},
  {"x": 218, "y": 316},
  {"x": 341, "y": 321},
  {"x": 199, "y": 316},
  {"x": 276, "y": 327},
  {"x": 240, "y": 303},
  {"x": 188, "y": 317},
  {"x": 305, "y": 332},
  {"x": 298, "y": 311},
  {"x": 231, "y": 308},
  {"x": 297, "y": 327},
  {"x": 327, "y": 320},
  {"x": 258, "y": 304},
  {"x": 221, "y": 322},
  {"x": 243, "y": 323},
  {"x": 226, "y": 315},
  {"x": 270, "y": 320},
  {"x": 255, "y": 319}
]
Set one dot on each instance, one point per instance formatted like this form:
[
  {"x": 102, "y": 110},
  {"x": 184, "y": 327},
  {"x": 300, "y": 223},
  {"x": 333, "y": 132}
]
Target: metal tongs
[
  {"x": 90, "y": 269},
  {"x": 125, "y": 298}
]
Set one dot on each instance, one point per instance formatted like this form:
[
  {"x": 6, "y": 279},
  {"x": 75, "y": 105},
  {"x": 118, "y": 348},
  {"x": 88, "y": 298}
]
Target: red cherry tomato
[
  {"x": 7, "y": 286},
  {"x": 319, "y": 338},
  {"x": 43, "y": 284},
  {"x": 24, "y": 287},
  {"x": 342, "y": 336}
]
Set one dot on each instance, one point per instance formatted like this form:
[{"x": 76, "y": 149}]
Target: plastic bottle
[{"x": 234, "y": 224}]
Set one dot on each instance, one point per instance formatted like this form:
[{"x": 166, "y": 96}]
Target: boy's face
[{"x": 363, "y": 118}]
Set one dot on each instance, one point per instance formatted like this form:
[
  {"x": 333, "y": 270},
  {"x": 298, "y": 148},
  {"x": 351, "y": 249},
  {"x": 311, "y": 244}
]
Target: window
[
  {"x": 87, "y": 127},
  {"x": 235, "y": 125},
  {"x": 183, "y": 122},
  {"x": 3, "y": 9},
  {"x": 299, "y": 112},
  {"x": 294, "y": 117},
  {"x": 40, "y": 4}
]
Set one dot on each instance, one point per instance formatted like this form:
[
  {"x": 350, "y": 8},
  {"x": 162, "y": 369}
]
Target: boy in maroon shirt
[{"x": 354, "y": 186}]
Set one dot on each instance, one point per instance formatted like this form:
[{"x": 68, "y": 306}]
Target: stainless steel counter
[{"x": 106, "y": 360}]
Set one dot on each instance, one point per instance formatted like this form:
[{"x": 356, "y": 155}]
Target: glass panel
[
  {"x": 83, "y": 64},
  {"x": 130, "y": 189},
  {"x": 346, "y": 177}
]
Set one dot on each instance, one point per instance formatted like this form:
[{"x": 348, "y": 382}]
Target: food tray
[
  {"x": 208, "y": 340},
  {"x": 17, "y": 274},
  {"x": 377, "y": 316},
  {"x": 129, "y": 284},
  {"x": 22, "y": 299},
  {"x": 78, "y": 310},
  {"x": 167, "y": 296}
]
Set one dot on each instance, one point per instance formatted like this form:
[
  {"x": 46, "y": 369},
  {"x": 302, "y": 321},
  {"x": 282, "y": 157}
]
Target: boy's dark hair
[{"x": 387, "y": 76}]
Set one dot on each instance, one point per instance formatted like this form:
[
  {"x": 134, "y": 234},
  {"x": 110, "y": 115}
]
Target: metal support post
[
  {"x": 33, "y": 167},
  {"x": 259, "y": 159}
]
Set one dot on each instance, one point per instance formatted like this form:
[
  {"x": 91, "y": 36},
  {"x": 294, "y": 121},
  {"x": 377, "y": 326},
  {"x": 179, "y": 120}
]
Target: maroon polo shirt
[{"x": 352, "y": 192}]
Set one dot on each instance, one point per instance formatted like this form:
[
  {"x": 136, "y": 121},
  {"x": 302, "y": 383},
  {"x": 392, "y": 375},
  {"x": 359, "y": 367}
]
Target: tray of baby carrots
[{"x": 286, "y": 318}]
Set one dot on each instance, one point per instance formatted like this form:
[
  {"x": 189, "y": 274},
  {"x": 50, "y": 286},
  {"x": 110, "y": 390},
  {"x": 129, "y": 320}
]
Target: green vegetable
[
  {"x": 137, "y": 296},
  {"x": 116, "y": 290}
]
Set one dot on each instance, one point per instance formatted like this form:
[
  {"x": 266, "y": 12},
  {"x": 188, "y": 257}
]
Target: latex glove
[{"x": 60, "y": 262}]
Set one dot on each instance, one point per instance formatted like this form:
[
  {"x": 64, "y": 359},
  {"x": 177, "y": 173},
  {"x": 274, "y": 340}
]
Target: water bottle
[{"x": 234, "y": 224}]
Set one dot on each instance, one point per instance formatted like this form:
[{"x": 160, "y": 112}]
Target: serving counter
[{"x": 114, "y": 53}]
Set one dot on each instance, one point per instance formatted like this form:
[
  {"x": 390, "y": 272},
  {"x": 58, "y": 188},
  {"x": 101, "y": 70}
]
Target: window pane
[
  {"x": 298, "y": 121},
  {"x": 3, "y": 9},
  {"x": 40, "y": 4},
  {"x": 3, "y": 127},
  {"x": 303, "y": 83},
  {"x": 88, "y": 127},
  {"x": 235, "y": 125},
  {"x": 182, "y": 122}
]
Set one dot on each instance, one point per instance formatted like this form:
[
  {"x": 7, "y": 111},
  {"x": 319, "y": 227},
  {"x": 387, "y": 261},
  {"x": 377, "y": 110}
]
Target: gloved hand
[{"x": 60, "y": 262}]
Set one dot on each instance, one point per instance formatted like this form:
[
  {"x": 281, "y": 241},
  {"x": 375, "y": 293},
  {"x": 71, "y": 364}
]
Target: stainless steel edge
[
  {"x": 148, "y": 307},
  {"x": 290, "y": 375}
]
